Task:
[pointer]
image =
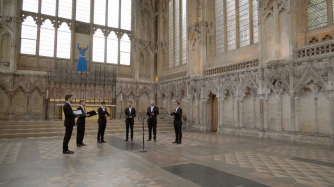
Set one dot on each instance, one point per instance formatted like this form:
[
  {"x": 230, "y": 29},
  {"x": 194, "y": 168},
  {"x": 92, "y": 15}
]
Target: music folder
[
  {"x": 91, "y": 113},
  {"x": 77, "y": 112}
]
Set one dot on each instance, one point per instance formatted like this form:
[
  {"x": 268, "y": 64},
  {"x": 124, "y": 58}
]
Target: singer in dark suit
[
  {"x": 68, "y": 123},
  {"x": 102, "y": 121},
  {"x": 81, "y": 123},
  {"x": 130, "y": 114},
  {"x": 177, "y": 122},
  {"x": 152, "y": 113}
]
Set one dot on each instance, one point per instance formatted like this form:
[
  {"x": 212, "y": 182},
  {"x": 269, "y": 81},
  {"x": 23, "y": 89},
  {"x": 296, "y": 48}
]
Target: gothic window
[
  {"x": 28, "y": 36},
  {"x": 98, "y": 46},
  {"x": 231, "y": 24},
  {"x": 220, "y": 26},
  {"x": 125, "y": 50},
  {"x": 244, "y": 33},
  {"x": 49, "y": 7},
  {"x": 255, "y": 21},
  {"x": 317, "y": 14},
  {"x": 231, "y": 14},
  {"x": 126, "y": 14},
  {"x": 46, "y": 43},
  {"x": 113, "y": 12},
  {"x": 30, "y": 5},
  {"x": 99, "y": 12},
  {"x": 83, "y": 11},
  {"x": 112, "y": 48},
  {"x": 184, "y": 31},
  {"x": 65, "y": 9},
  {"x": 177, "y": 32},
  {"x": 63, "y": 41},
  {"x": 171, "y": 34}
]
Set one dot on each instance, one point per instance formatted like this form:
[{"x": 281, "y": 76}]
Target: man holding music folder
[{"x": 81, "y": 122}]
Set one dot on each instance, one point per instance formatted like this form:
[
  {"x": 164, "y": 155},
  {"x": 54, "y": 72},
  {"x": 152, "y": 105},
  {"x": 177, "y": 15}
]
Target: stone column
[
  {"x": 279, "y": 113},
  {"x": 240, "y": 103},
  {"x": 220, "y": 113},
  {"x": 297, "y": 113},
  {"x": 197, "y": 121},
  {"x": 203, "y": 113},
  {"x": 331, "y": 115},
  {"x": 261, "y": 112}
]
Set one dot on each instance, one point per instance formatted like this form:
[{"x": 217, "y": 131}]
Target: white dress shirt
[
  {"x": 130, "y": 109},
  {"x": 103, "y": 108},
  {"x": 83, "y": 108},
  {"x": 68, "y": 102},
  {"x": 176, "y": 109},
  {"x": 152, "y": 108}
]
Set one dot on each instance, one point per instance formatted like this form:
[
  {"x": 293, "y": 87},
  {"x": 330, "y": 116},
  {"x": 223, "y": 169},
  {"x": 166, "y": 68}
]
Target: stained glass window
[
  {"x": 65, "y": 9},
  {"x": 231, "y": 24},
  {"x": 126, "y": 14},
  {"x": 100, "y": 12},
  {"x": 184, "y": 31},
  {"x": 220, "y": 26},
  {"x": 98, "y": 46},
  {"x": 49, "y": 7},
  {"x": 244, "y": 34},
  {"x": 64, "y": 41},
  {"x": 177, "y": 32},
  {"x": 29, "y": 36},
  {"x": 112, "y": 48},
  {"x": 46, "y": 43},
  {"x": 113, "y": 12},
  {"x": 83, "y": 10},
  {"x": 255, "y": 22},
  {"x": 30, "y": 5},
  {"x": 171, "y": 34},
  {"x": 125, "y": 50},
  {"x": 317, "y": 14}
]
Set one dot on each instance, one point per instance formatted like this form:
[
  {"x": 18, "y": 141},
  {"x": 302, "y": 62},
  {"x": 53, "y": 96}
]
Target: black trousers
[
  {"x": 152, "y": 125},
  {"x": 129, "y": 124},
  {"x": 80, "y": 134},
  {"x": 100, "y": 133},
  {"x": 178, "y": 132},
  {"x": 67, "y": 137}
]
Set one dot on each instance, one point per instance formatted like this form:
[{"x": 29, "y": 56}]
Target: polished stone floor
[{"x": 203, "y": 159}]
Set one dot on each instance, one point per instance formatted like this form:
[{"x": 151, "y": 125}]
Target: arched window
[
  {"x": 98, "y": 46},
  {"x": 64, "y": 41},
  {"x": 112, "y": 48},
  {"x": 100, "y": 12},
  {"x": 65, "y": 9},
  {"x": 226, "y": 23},
  {"x": 46, "y": 43},
  {"x": 244, "y": 33},
  {"x": 49, "y": 7},
  {"x": 171, "y": 34},
  {"x": 30, "y": 5},
  {"x": 113, "y": 13},
  {"x": 125, "y": 50},
  {"x": 83, "y": 11},
  {"x": 28, "y": 36},
  {"x": 317, "y": 14},
  {"x": 126, "y": 14}
]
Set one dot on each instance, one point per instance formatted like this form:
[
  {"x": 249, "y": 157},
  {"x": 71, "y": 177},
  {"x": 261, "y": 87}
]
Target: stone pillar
[
  {"x": 331, "y": 115},
  {"x": 279, "y": 113},
  {"x": 203, "y": 113},
  {"x": 198, "y": 110},
  {"x": 261, "y": 112},
  {"x": 297, "y": 113},
  {"x": 220, "y": 113},
  {"x": 240, "y": 101},
  {"x": 315, "y": 108}
]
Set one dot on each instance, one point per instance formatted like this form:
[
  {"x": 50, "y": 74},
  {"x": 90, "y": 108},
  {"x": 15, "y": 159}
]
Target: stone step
[{"x": 89, "y": 132}]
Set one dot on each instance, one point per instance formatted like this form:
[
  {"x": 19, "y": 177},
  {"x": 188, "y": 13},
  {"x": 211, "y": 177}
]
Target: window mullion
[
  {"x": 173, "y": 33},
  {"x": 225, "y": 26},
  {"x": 106, "y": 33},
  {"x": 237, "y": 29},
  {"x": 251, "y": 30},
  {"x": 38, "y": 27},
  {"x": 119, "y": 38},
  {"x": 330, "y": 12},
  {"x": 56, "y": 31}
]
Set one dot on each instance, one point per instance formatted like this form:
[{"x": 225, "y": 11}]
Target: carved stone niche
[{"x": 82, "y": 28}]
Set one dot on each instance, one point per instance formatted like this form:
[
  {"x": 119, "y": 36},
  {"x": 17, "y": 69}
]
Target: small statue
[{"x": 82, "y": 62}]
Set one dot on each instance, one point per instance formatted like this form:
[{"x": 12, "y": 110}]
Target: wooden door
[{"x": 214, "y": 114}]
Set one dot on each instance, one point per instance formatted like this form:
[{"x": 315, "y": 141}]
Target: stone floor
[{"x": 203, "y": 159}]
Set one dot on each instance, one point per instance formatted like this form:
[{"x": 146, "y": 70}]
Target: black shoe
[
  {"x": 68, "y": 152},
  {"x": 103, "y": 141},
  {"x": 83, "y": 144},
  {"x": 79, "y": 145},
  {"x": 99, "y": 141},
  {"x": 148, "y": 140},
  {"x": 155, "y": 140},
  {"x": 178, "y": 142},
  {"x": 126, "y": 140},
  {"x": 131, "y": 139},
  {"x": 174, "y": 142}
]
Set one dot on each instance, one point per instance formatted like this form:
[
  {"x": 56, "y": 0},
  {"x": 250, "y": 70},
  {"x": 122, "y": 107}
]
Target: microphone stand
[{"x": 143, "y": 118}]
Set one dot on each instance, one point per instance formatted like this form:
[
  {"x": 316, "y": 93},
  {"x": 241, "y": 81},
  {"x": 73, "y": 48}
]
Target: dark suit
[
  {"x": 81, "y": 123},
  {"x": 102, "y": 121},
  {"x": 178, "y": 124},
  {"x": 152, "y": 121},
  {"x": 69, "y": 124},
  {"x": 129, "y": 121}
]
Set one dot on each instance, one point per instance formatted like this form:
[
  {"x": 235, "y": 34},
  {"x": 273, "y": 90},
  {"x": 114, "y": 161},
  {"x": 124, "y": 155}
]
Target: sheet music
[{"x": 77, "y": 112}]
